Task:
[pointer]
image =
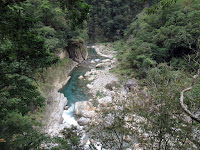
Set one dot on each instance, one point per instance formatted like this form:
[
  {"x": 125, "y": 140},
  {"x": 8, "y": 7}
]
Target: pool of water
[{"x": 76, "y": 90}]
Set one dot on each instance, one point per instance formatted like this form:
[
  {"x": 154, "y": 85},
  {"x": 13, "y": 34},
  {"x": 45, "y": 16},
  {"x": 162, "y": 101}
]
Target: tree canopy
[{"x": 30, "y": 32}]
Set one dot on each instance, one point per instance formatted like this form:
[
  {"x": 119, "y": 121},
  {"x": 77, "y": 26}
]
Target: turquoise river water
[{"x": 76, "y": 90}]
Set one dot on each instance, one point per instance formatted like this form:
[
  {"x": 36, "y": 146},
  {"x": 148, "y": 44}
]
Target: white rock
[
  {"x": 139, "y": 119},
  {"x": 106, "y": 60},
  {"x": 93, "y": 72},
  {"x": 89, "y": 86},
  {"x": 113, "y": 62},
  {"x": 81, "y": 77},
  {"x": 101, "y": 65},
  {"x": 97, "y": 60},
  {"x": 105, "y": 100},
  {"x": 92, "y": 61},
  {"x": 85, "y": 109},
  {"x": 91, "y": 78},
  {"x": 136, "y": 147},
  {"x": 87, "y": 73},
  {"x": 98, "y": 145},
  {"x": 89, "y": 114},
  {"x": 128, "y": 118}
]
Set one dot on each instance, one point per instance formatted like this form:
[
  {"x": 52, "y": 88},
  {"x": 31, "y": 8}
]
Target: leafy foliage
[
  {"x": 167, "y": 126},
  {"x": 167, "y": 36},
  {"x": 109, "y": 18},
  {"x": 30, "y": 32},
  {"x": 162, "y": 49}
]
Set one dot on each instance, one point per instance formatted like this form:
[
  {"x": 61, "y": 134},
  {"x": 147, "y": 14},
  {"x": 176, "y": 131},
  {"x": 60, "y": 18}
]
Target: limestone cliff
[{"x": 77, "y": 50}]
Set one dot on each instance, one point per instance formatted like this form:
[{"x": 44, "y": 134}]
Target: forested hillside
[
  {"x": 109, "y": 18},
  {"x": 171, "y": 36},
  {"x": 161, "y": 50},
  {"x": 157, "y": 44},
  {"x": 31, "y": 31}
]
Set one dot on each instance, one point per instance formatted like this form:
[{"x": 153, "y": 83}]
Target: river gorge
[{"x": 76, "y": 90}]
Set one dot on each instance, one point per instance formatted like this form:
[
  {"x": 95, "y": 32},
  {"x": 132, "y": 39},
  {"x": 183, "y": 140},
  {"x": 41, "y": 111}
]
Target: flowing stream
[{"x": 76, "y": 90}]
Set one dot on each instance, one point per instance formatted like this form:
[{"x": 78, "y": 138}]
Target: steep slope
[{"x": 109, "y": 18}]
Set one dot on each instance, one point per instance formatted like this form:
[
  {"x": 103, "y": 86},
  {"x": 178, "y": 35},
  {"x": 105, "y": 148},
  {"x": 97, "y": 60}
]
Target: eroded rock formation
[{"x": 77, "y": 50}]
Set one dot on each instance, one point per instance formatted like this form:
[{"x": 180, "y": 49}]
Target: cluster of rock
[
  {"x": 105, "y": 51},
  {"x": 86, "y": 111},
  {"x": 107, "y": 99},
  {"x": 106, "y": 106}
]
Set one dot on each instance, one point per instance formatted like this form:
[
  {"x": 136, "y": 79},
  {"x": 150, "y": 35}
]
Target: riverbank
[
  {"x": 56, "y": 102},
  {"x": 52, "y": 80},
  {"x": 99, "y": 76},
  {"x": 105, "y": 116}
]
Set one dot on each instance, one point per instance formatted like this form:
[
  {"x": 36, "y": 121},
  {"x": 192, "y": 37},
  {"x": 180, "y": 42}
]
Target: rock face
[
  {"x": 77, "y": 50},
  {"x": 54, "y": 110},
  {"x": 84, "y": 109},
  {"x": 61, "y": 53},
  {"x": 56, "y": 101}
]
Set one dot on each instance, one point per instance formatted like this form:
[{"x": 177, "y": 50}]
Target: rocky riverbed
[
  {"x": 98, "y": 115},
  {"x": 96, "y": 119}
]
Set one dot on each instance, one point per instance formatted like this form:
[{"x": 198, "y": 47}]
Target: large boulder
[
  {"x": 97, "y": 60},
  {"x": 83, "y": 121},
  {"x": 77, "y": 50},
  {"x": 91, "y": 78},
  {"x": 84, "y": 109}
]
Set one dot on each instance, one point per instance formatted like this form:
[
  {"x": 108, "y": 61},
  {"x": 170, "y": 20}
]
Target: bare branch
[{"x": 182, "y": 98}]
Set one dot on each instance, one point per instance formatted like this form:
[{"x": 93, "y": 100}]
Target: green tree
[
  {"x": 30, "y": 31},
  {"x": 109, "y": 19}
]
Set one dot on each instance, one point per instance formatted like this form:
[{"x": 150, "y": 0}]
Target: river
[{"x": 76, "y": 90}]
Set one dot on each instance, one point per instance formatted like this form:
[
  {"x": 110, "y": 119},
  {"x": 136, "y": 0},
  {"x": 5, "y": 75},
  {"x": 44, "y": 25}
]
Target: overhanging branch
[{"x": 182, "y": 98}]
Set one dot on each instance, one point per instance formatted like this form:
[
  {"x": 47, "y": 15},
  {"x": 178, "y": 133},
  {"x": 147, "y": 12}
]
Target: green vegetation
[
  {"x": 162, "y": 50},
  {"x": 167, "y": 125},
  {"x": 100, "y": 94},
  {"x": 109, "y": 18},
  {"x": 30, "y": 32},
  {"x": 169, "y": 36},
  {"x": 159, "y": 47},
  {"x": 53, "y": 74}
]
